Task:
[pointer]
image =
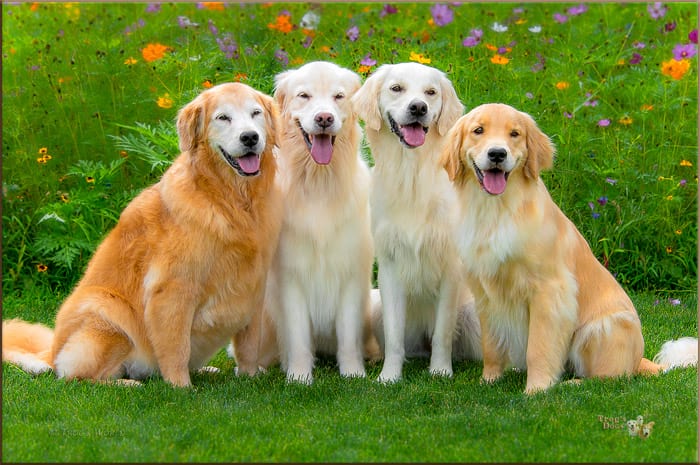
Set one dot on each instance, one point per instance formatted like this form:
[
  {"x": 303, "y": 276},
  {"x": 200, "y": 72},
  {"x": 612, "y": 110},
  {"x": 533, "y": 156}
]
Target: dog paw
[
  {"x": 127, "y": 383},
  {"x": 443, "y": 372},
  {"x": 208, "y": 369},
  {"x": 389, "y": 377},
  {"x": 300, "y": 378}
]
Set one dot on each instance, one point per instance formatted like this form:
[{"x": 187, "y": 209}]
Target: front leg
[
  {"x": 552, "y": 324},
  {"x": 349, "y": 330},
  {"x": 443, "y": 335},
  {"x": 298, "y": 344},
  {"x": 494, "y": 353},
  {"x": 394, "y": 315},
  {"x": 170, "y": 309}
]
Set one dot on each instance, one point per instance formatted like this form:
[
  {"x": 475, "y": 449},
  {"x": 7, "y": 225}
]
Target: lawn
[{"x": 90, "y": 94}]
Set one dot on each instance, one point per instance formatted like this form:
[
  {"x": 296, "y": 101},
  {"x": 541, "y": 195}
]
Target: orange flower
[
  {"x": 240, "y": 77},
  {"x": 499, "y": 60},
  {"x": 34, "y": 6},
  {"x": 364, "y": 69},
  {"x": 647, "y": 107},
  {"x": 282, "y": 24},
  {"x": 165, "y": 101},
  {"x": 207, "y": 84},
  {"x": 675, "y": 69},
  {"x": 493, "y": 48},
  {"x": 561, "y": 85},
  {"x": 153, "y": 52},
  {"x": 219, "y": 6}
]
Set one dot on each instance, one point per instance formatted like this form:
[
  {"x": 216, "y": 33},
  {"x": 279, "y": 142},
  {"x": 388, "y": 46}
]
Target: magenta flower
[
  {"x": 367, "y": 60},
  {"x": 657, "y": 10},
  {"x": 153, "y": 8},
  {"x": 602, "y": 201},
  {"x": 604, "y": 123},
  {"x": 442, "y": 14},
  {"x": 638, "y": 45},
  {"x": 560, "y": 18},
  {"x": 681, "y": 52},
  {"x": 577, "y": 10},
  {"x": 353, "y": 33},
  {"x": 669, "y": 27},
  {"x": 693, "y": 36},
  {"x": 636, "y": 59},
  {"x": 388, "y": 10}
]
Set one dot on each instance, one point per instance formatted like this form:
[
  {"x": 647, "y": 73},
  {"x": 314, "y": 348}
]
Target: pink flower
[
  {"x": 442, "y": 14},
  {"x": 681, "y": 52},
  {"x": 693, "y": 36},
  {"x": 657, "y": 10},
  {"x": 604, "y": 123},
  {"x": 560, "y": 18}
]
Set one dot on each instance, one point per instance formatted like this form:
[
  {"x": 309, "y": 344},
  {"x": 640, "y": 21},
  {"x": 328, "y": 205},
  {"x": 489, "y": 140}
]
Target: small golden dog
[
  {"x": 542, "y": 297},
  {"x": 186, "y": 265}
]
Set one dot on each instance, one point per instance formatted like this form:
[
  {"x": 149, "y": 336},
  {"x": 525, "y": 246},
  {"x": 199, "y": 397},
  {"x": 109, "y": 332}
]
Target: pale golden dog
[
  {"x": 185, "y": 267},
  {"x": 542, "y": 297}
]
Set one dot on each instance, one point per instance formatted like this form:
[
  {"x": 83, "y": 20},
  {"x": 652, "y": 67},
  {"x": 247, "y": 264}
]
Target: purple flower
[
  {"x": 228, "y": 46},
  {"x": 669, "y": 27},
  {"x": 602, "y": 201},
  {"x": 442, "y": 14},
  {"x": 388, "y": 10},
  {"x": 184, "y": 22},
  {"x": 353, "y": 33},
  {"x": 682, "y": 183},
  {"x": 568, "y": 114},
  {"x": 636, "y": 59},
  {"x": 657, "y": 10},
  {"x": 604, "y": 123},
  {"x": 153, "y": 8},
  {"x": 693, "y": 36},
  {"x": 282, "y": 57},
  {"x": 529, "y": 95},
  {"x": 577, "y": 10},
  {"x": 478, "y": 33},
  {"x": 307, "y": 42},
  {"x": 470, "y": 41},
  {"x": 560, "y": 18},
  {"x": 212, "y": 28},
  {"x": 595, "y": 215},
  {"x": 590, "y": 102},
  {"x": 591, "y": 205},
  {"x": 611, "y": 181},
  {"x": 368, "y": 61},
  {"x": 674, "y": 301},
  {"x": 639, "y": 45},
  {"x": 681, "y": 52}
]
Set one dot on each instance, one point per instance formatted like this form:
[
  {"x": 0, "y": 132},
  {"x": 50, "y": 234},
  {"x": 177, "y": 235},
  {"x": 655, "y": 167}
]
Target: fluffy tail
[
  {"x": 27, "y": 345},
  {"x": 680, "y": 353}
]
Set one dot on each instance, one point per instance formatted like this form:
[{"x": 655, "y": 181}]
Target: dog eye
[
  {"x": 340, "y": 96},
  {"x": 430, "y": 92},
  {"x": 514, "y": 133},
  {"x": 478, "y": 130},
  {"x": 223, "y": 117},
  {"x": 256, "y": 112},
  {"x": 304, "y": 95},
  {"x": 396, "y": 88}
]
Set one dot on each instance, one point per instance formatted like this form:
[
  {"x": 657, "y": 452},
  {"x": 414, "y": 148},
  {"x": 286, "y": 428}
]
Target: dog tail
[
  {"x": 27, "y": 345},
  {"x": 673, "y": 354}
]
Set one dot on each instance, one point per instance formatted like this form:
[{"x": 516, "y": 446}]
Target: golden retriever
[
  {"x": 408, "y": 109},
  {"x": 185, "y": 267},
  {"x": 318, "y": 294},
  {"x": 542, "y": 297}
]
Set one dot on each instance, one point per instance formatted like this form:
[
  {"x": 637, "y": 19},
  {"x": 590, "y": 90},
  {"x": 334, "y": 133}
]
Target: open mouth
[
  {"x": 320, "y": 145},
  {"x": 245, "y": 165},
  {"x": 492, "y": 180},
  {"x": 411, "y": 135}
]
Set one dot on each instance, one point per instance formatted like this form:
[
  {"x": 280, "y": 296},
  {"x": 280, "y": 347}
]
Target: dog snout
[
  {"x": 497, "y": 155},
  {"x": 249, "y": 138},
  {"x": 418, "y": 108},
  {"x": 324, "y": 120}
]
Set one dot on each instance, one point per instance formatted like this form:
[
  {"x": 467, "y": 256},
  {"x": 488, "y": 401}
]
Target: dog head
[
  {"x": 409, "y": 99},
  {"x": 494, "y": 142},
  {"x": 315, "y": 102},
  {"x": 232, "y": 120}
]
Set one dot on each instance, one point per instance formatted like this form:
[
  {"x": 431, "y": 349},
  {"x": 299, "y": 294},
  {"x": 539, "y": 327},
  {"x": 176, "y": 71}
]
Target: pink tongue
[
  {"x": 322, "y": 149},
  {"x": 494, "y": 182},
  {"x": 413, "y": 134},
  {"x": 250, "y": 164}
]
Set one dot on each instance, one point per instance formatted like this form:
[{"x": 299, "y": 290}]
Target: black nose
[
  {"x": 497, "y": 155},
  {"x": 249, "y": 138},
  {"x": 418, "y": 108},
  {"x": 324, "y": 120}
]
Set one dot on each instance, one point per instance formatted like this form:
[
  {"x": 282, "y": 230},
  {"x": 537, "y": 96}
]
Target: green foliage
[{"x": 76, "y": 83}]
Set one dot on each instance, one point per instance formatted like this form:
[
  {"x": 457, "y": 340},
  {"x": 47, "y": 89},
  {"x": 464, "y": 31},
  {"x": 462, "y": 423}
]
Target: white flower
[
  {"x": 498, "y": 27},
  {"x": 310, "y": 20},
  {"x": 535, "y": 29}
]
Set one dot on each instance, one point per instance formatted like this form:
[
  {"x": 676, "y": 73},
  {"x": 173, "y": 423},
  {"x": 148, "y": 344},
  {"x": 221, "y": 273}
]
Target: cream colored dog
[
  {"x": 318, "y": 295},
  {"x": 542, "y": 297},
  {"x": 185, "y": 267},
  {"x": 408, "y": 108}
]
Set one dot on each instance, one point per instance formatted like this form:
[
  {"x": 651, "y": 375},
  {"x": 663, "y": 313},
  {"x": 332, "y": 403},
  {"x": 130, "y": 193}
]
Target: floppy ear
[
  {"x": 366, "y": 100},
  {"x": 281, "y": 90},
  {"x": 272, "y": 115},
  {"x": 451, "y": 158},
  {"x": 540, "y": 150},
  {"x": 189, "y": 124},
  {"x": 452, "y": 108}
]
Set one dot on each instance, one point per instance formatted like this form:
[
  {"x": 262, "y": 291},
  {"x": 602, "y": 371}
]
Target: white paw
[
  {"x": 300, "y": 377},
  {"x": 208, "y": 369}
]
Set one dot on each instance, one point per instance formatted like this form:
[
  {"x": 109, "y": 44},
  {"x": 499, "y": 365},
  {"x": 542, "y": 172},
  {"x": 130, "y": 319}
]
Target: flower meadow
[{"x": 90, "y": 94}]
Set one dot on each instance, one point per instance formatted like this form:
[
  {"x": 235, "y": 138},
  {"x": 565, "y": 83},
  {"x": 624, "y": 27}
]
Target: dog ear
[
  {"x": 540, "y": 150},
  {"x": 452, "y": 108},
  {"x": 272, "y": 115},
  {"x": 451, "y": 158},
  {"x": 365, "y": 101},
  {"x": 280, "y": 93},
  {"x": 189, "y": 124}
]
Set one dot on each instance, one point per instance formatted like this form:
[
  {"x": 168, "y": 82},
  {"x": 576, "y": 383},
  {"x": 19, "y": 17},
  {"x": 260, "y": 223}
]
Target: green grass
[{"x": 265, "y": 419}]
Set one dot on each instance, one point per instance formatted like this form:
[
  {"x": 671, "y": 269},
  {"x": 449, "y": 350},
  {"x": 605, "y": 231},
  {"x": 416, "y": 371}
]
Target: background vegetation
[{"x": 90, "y": 94}]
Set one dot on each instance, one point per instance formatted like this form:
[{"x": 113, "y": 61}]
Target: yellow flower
[
  {"x": 130, "y": 61},
  {"x": 679, "y": 232},
  {"x": 41, "y": 268},
  {"x": 419, "y": 58},
  {"x": 43, "y": 151},
  {"x": 64, "y": 198},
  {"x": 561, "y": 85},
  {"x": 90, "y": 180},
  {"x": 675, "y": 69},
  {"x": 669, "y": 249},
  {"x": 41, "y": 160},
  {"x": 499, "y": 60},
  {"x": 670, "y": 197},
  {"x": 686, "y": 163},
  {"x": 626, "y": 121},
  {"x": 165, "y": 101}
]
